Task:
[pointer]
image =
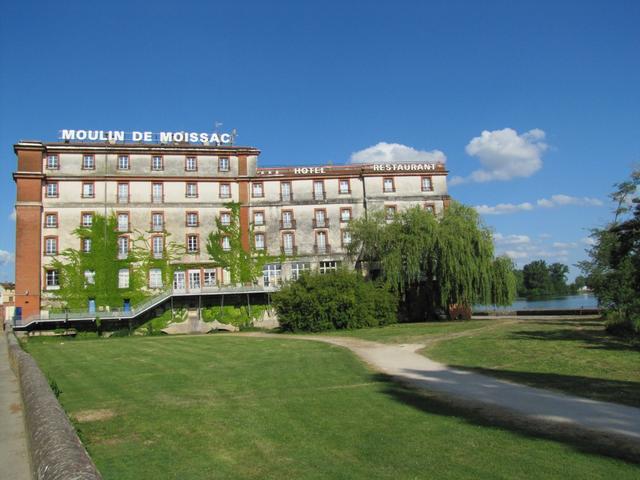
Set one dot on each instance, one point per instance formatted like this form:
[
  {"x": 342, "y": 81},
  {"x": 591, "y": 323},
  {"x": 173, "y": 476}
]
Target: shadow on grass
[
  {"x": 592, "y": 338},
  {"x": 491, "y": 417},
  {"x": 615, "y": 391}
]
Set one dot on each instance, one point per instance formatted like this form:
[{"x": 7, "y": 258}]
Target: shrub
[
  {"x": 336, "y": 300},
  {"x": 617, "y": 324}
]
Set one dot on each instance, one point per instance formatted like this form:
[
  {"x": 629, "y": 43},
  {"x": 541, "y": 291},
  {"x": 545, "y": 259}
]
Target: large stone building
[{"x": 180, "y": 189}]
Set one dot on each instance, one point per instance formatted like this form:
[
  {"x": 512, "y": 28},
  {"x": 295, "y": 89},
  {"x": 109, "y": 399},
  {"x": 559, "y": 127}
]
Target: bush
[
  {"x": 616, "y": 324},
  {"x": 333, "y": 301}
]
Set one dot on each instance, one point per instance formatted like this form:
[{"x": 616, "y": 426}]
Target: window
[
  {"x": 53, "y": 162},
  {"x": 123, "y": 193},
  {"x": 318, "y": 190},
  {"x": 88, "y": 162},
  {"x": 225, "y": 190},
  {"x": 191, "y": 164},
  {"x": 343, "y": 186},
  {"x": 387, "y": 185},
  {"x": 321, "y": 243},
  {"x": 157, "y": 192},
  {"x": 345, "y": 214},
  {"x": 123, "y": 278},
  {"x": 157, "y": 163},
  {"x": 223, "y": 164},
  {"x": 157, "y": 246},
  {"x": 288, "y": 241},
  {"x": 287, "y": 220},
  {"x": 123, "y": 162},
  {"x": 258, "y": 218},
  {"x": 192, "y": 219},
  {"x": 192, "y": 244},
  {"x": 271, "y": 274},
  {"x": 192, "y": 190},
  {"x": 225, "y": 218},
  {"x": 51, "y": 246},
  {"x": 157, "y": 221},
  {"x": 297, "y": 269},
  {"x": 226, "y": 244},
  {"x": 328, "y": 266},
  {"x": 52, "y": 279},
  {"x": 123, "y": 247},
  {"x": 285, "y": 191},
  {"x": 427, "y": 185},
  {"x": 123, "y": 222},
  {"x": 89, "y": 277},
  {"x": 430, "y": 207},
  {"x": 320, "y": 219},
  {"x": 259, "y": 241},
  {"x": 209, "y": 277},
  {"x": 52, "y": 189},
  {"x": 88, "y": 190},
  {"x": 86, "y": 245},
  {"x": 346, "y": 237},
  {"x": 155, "y": 278},
  {"x": 257, "y": 190},
  {"x": 390, "y": 212},
  {"x": 87, "y": 219},
  {"x": 51, "y": 220}
]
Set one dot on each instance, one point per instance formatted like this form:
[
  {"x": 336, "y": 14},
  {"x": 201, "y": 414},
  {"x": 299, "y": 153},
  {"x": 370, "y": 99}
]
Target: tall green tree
[
  {"x": 433, "y": 263},
  {"x": 536, "y": 278},
  {"x": 224, "y": 246},
  {"x": 613, "y": 268}
]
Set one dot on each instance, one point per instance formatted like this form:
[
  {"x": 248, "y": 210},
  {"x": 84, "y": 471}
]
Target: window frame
[
  {"x": 387, "y": 209},
  {"x": 186, "y": 190},
  {"x": 393, "y": 185},
  {"x": 124, "y": 255},
  {"x": 430, "y": 207},
  {"x": 86, "y": 156},
  {"x": 128, "y": 277},
  {"x": 340, "y": 180},
  {"x": 57, "y": 189},
  {"x": 344, "y": 231},
  {"x": 153, "y": 197},
  {"x": 186, "y": 218},
  {"x": 346, "y": 209},
  {"x": 220, "y": 160},
  {"x": 122, "y": 156},
  {"x": 51, "y": 214},
  {"x": 324, "y": 191},
  {"x": 55, "y": 277},
  {"x": 57, "y": 161},
  {"x": 118, "y": 214},
  {"x": 260, "y": 186},
  {"x": 84, "y": 214},
  {"x": 224, "y": 184},
  {"x": 93, "y": 190},
  {"x": 187, "y": 160},
  {"x": 154, "y": 270},
  {"x": 195, "y": 236},
  {"x": 151, "y": 165},
  {"x": 155, "y": 213},
  {"x": 290, "y": 199},
  {"x": 154, "y": 252},
  {"x": 263, "y": 236},
  {"x": 224, "y": 212},
  {"x": 430, "y": 179},
  {"x": 264, "y": 221},
  {"x": 118, "y": 198},
  {"x": 82, "y": 245},
  {"x": 46, "y": 240}
]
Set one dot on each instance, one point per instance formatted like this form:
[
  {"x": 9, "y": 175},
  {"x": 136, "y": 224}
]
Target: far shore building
[
  {"x": 180, "y": 189},
  {"x": 7, "y": 300}
]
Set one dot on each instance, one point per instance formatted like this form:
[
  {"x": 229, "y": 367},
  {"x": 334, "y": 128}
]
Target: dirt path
[{"x": 404, "y": 364}]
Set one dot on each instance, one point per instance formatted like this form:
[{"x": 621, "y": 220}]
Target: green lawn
[
  {"x": 218, "y": 406},
  {"x": 413, "y": 332},
  {"x": 574, "y": 356}
]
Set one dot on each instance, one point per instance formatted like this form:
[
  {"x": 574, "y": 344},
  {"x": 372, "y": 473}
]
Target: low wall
[
  {"x": 55, "y": 449},
  {"x": 540, "y": 312}
]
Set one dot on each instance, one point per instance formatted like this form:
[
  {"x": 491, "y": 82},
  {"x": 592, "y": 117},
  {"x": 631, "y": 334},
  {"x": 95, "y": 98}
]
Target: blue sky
[{"x": 555, "y": 86}]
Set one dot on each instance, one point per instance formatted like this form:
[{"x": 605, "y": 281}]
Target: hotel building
[{"x": 180, "y": 189}]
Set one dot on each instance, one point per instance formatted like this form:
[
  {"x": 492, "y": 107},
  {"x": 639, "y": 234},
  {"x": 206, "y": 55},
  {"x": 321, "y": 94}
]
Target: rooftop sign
[{"x": 149, "y": 137}]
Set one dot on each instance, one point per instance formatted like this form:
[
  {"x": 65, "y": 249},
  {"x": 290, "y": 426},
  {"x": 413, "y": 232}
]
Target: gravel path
[{"x": 403, "y": 363}]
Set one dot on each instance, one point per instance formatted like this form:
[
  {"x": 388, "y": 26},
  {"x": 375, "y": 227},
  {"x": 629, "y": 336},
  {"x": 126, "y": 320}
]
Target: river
[{"x": 584, "y": 300}]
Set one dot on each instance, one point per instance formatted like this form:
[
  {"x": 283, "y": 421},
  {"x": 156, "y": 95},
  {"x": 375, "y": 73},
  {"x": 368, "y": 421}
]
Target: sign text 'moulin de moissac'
[{"x": 145, "y": 136}]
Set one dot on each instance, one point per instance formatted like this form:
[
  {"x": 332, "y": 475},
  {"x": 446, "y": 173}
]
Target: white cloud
[
  {"x": 562, "y": 200},
  {"x": 516, "y": 254},
  {"x": 544, "y": 235},
  {"x": 385, "y": 152},
  {"x": 505, "y": 154},
  {"x": 503, "y": 208},
  {"x": 12, "y": 215},
  {"x": 5, "y": 257},
  {"x": 588, "y": 241},
  {"x": 500, "y": 239},
  {"x": 559, "y": 200},
  {"x": 564, "y": 245}
]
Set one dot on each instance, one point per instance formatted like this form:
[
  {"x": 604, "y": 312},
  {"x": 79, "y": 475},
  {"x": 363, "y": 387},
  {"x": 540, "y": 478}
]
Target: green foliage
[
  {"x": 613, "y": 268},
  {"x": 239, "y": 316},
  {"x": 75, "y": 291},
  {"x": 433, "y": 264},
  {"x": 333, "y": 301},
  {"x": 54, "y": 387},
  {"x": 539, "y": 280},
  {"x": 244, "y": 266}
]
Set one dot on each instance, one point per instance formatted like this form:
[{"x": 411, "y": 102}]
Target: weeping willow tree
[{"x": 433, "y": 263}]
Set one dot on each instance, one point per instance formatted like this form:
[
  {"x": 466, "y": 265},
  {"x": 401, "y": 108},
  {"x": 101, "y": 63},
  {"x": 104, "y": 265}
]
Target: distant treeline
[{"x": 537, "y": 279}]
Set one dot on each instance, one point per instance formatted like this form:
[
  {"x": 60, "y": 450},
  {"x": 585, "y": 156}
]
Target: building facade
[{"x": 298, "y": 213}]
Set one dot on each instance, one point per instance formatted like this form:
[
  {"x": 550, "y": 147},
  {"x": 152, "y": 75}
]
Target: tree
[
  {"x": 536, "y": 278},
  {"x": 613, "y": 268},
  {"x": 225, "y": 248},
  {"x": 433, "y": 264},
  {"x": 558, "y": 278}
]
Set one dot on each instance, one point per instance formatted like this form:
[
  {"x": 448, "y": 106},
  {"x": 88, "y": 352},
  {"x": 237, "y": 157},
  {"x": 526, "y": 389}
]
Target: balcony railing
[
  {"x": 157, "y": 254},
  {"x": 157, "y": 227},
  {"x": 289, "y": 250},
  {"x": 286, "y": 197},
  {"x": 287, "y": 224},
  {"x": 320, "y": 223},
  {"x": 123, "y": 198},
  {"x": 123, "y": 255},
  {"x": 157, "y": 199},
  {"x": 319, "y": 195},
  {"x": 322, "y": 249}
]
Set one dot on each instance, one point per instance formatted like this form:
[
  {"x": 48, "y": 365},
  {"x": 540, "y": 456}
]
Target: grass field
[
  {"x": 574, "y": 356},
  {"x": 218, "y": 406}
]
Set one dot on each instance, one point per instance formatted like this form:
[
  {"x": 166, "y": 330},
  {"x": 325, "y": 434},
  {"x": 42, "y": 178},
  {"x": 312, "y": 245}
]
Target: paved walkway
[
  {"x": 14, "y": 457},
  {"x": 403, "y": 363}
]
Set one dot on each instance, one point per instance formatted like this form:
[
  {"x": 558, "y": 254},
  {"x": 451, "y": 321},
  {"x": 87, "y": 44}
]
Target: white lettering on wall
[{"x": 146, "y": 136}]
